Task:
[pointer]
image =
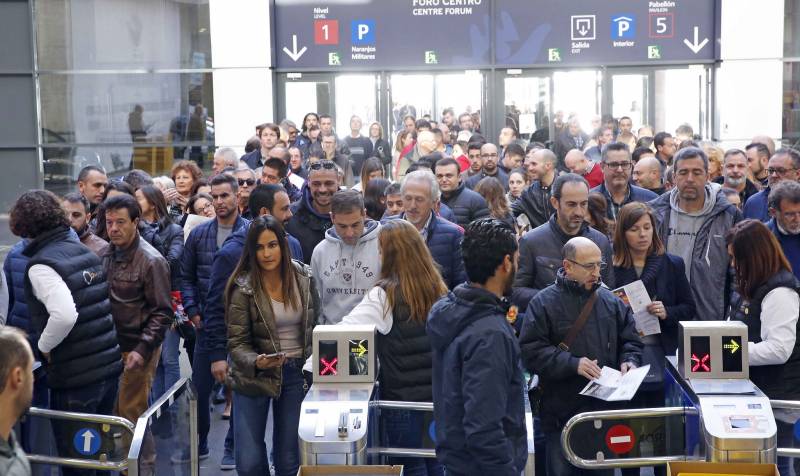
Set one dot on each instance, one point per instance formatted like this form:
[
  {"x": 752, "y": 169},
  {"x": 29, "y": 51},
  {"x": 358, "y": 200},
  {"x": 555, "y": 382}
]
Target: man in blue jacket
[
  {"x": 420, "y": 193},
  {"x": 783, "y": 165},
  {"x": 784, "y": 205},
  {"x": 198, "y": 254},
  {"x": 477, "y": 375}
]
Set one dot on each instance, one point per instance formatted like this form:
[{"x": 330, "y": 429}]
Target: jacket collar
[
  {"x": 455, "y": 193},
  {"x": 652, "y": 266},
  {"x": 58, "y": 233},
  {"x": 556, "y": 228},
  {"x": 126, "y": 254},
  {"x": 571, "y": 286}
]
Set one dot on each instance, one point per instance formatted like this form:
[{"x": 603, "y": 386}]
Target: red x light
[{"x": 328, "y": 368}]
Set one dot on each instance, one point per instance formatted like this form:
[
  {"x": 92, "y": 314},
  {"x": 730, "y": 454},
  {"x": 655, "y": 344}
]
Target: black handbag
[{"x": 653, "y": 354}]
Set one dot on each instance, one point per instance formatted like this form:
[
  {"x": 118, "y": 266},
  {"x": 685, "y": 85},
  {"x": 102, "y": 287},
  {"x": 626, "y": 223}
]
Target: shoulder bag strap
[{"x": 578, "y": 325}]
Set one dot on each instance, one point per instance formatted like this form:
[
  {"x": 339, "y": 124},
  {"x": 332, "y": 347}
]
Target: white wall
[
  {"x": 240, "y": 52},
  {"x": 750, "y": 78}
]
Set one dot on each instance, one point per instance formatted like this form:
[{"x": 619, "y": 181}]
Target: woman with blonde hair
[{"x": 398, "y": 306}]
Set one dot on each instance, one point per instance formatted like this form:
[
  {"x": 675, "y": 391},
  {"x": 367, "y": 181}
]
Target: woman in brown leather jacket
[{"x": 272, "y": 307}]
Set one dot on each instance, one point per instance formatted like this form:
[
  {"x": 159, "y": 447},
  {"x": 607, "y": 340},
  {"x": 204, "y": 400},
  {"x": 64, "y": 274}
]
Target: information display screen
[
  {"x": 700, "y": 351},
  {"x": 732, "y": 354},
  {"x": 328, "y": 357},
  {"x": 359, "y": 356}
]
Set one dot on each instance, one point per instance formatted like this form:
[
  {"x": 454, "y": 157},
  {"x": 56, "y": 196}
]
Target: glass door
[
  {"x": 681, "y": 97},
  {"x": 411, "y": 95},
  {"x": 355, "y": 96},
  {"x": 577, "y": 94},
  {"x": 526, "y": 104},
  {"x": 629, "y": 97},
  {"x": 301, "y": 93}
]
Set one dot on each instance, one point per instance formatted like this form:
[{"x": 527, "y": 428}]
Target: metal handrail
[
  {"x": 400, "y": 405},
  {"x": 406, "y": 452},
  {"x": 786, "y": 405},
  {"x": 165, "y": 401},
  {"x": 613, "y": 415},
  {"x": 87, "y": 418}
]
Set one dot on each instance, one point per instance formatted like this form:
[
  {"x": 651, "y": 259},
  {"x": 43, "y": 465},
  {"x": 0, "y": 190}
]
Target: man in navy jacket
[
  {"x": 616, "y": 186},
  {"x": 784, "y": 205},
  {"x": 198, "y": 254},
  {"x": 477, "y": 373}
]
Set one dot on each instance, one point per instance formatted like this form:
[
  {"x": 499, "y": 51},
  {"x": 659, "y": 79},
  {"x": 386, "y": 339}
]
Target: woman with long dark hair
[
  {"x": 375, "y": 198},
  {"x": 495, "y": 195},
  {"x": 157, "y": 228},
  {"x": 272, "y": 306},
  {"x": 372, "y": 169},
  {"x": 398, "y": 306},
  {"x": 768, "y": 303}
]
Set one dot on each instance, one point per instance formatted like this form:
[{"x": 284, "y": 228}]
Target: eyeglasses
[
  {"x": 618, "y": 165},
  {"x": 590, "y": 266},
  {"x": 779, "y": 171},
  {"x": 322, "y": 164},
  {"x": 249, "y": 182}
]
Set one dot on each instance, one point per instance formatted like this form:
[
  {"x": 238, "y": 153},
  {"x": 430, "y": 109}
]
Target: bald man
[
  {"x": 767, "y": 141},
  {"x": 577, "y": 163},
  {"x": 608, "y": 340},
  {"x": 647, "y": 174},
  {"x": 426, "y": 144}
]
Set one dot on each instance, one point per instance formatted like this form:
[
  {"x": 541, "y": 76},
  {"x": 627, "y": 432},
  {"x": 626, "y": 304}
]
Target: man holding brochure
[{"x": 571, "y": 330}]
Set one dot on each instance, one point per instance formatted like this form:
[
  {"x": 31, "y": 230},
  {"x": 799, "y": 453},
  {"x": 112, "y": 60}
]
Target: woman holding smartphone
[{"x": 272, "y": 307}]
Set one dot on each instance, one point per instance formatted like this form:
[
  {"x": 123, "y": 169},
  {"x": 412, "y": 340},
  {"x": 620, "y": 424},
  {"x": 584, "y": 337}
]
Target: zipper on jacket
[{"x": 280, "y": 369}]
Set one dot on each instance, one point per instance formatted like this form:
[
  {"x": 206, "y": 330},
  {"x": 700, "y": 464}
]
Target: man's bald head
[
  {"x": 576, "y": 162},
  {"x": 577, "y": 246},
  {"x": 767, "y": 141},
  {"x": 583, "y": 262},
  {"x": 647, "y": 173}
]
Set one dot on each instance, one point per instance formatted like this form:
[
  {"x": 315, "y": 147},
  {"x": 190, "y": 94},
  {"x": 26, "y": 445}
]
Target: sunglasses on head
[
  {"x": 250, "y": 182},
  {"x": 322, "y": 164}
]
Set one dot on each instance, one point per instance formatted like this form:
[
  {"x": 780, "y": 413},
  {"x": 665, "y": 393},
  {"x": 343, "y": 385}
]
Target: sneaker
[
  {"x": 184, "y": 456},
  {"x": 227, "y": 463}
]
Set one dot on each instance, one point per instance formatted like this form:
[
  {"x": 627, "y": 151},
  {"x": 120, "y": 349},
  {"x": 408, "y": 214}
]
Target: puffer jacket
[
  {"x": 14, "y": 268},
  {"x": 466, "y": 204},
  {"x": 168, "y": 240},
  {"x": 252, "y": 331},
  {"x": 535, "y": 204},
  {"x": 609, "y": 337},
  {"x": 198, "y": 254}
]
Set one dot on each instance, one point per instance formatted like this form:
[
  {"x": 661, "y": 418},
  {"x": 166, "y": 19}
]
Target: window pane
[
  {"x": 791, "y": 104},
  {"x": 122, "y": 34},
  {"x": 791, "y": 31},
  {"x": 125, "y": 108}
]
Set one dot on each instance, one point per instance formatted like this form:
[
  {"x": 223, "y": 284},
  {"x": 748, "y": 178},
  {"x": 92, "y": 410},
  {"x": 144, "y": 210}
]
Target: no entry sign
[{"x": 620, "y": 439}]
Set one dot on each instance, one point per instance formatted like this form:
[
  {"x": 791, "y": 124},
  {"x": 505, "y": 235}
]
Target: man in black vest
[
  {"x": 141, "y": 304},
  {"x": 67, "y": 295}
]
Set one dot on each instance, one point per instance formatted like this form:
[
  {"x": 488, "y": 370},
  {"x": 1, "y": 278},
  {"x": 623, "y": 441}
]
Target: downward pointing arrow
[
  {"x": 695, "y": 47},
  {"x": 293, "y": 53}
]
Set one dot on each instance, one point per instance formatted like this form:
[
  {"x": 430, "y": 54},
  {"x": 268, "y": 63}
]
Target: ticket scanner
[
  {"x": 736, "y": 423},
  {"x": 334, "y": 426},
  {"x": 712, "y": 411}
]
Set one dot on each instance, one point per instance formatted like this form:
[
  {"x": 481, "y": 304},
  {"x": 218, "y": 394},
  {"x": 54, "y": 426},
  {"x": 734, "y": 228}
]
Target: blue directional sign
[{"x": 86, "y": 441}]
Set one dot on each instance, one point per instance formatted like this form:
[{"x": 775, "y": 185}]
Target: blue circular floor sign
[{"x": 86, "y": 441}]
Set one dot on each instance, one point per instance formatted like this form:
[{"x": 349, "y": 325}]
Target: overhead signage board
[
  {"x": 607, "y": 32},
  {"x": 422, "y": 34}
]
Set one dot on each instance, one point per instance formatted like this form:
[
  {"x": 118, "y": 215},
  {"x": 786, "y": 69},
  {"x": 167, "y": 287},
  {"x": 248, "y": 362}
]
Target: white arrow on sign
[
  {"x": 695, "y": 47},
  {"x": 293, "y": 53},
  {"x": 87, "y": 441}
]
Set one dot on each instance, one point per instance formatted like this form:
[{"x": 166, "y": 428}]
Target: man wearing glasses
[
  {"x": 565, "y": 359},
  {"x": 693, "y": 219},
  {"x": 540, "y": 248},
  {"x": 490, "y": 157},
  {"x": 783, "y": 165},
  {"x": 247, "y": 180},
  {"x": 616, "y": 186}
]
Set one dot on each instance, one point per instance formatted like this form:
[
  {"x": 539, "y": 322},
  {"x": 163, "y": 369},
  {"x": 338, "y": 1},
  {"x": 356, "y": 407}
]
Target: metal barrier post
[
  {"x": 81, "y": 417},
  {"x": 614, "y": 415}
]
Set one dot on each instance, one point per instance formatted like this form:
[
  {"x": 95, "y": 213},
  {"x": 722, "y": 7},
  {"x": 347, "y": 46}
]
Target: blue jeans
[
  {"x": 786, "y": 440},
  {"x": 203, "y": 383},
  {"x": 168, "y": 371},
  {"x": 98, "y": 398},
  {"x": 250, "y": 423},
  {"x": 404, "y": 429}
]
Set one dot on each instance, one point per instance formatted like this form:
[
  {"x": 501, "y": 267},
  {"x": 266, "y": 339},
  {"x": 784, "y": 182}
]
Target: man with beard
[
  {"x": 784, "y": 206},
  {"x": 540, "y": 248},
  {"x": 490, "y": 158},
  {"x": 734, "y": 175},
  {"x": 783, "y": 165},
  {"x": 77, "y": 209},
  {"x": 16, "y": 393},
  {"x": 693, "y": 220},
  {"x": 616, "y": 186},
  {"x": 565, "y": 360},
  {"x": 758, "y": 159},
  {"x": 477, "y": 377},
  {"x": 311, "y": 214}
]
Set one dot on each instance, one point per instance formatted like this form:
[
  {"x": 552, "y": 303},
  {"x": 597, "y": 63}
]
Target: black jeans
[{"x": 98, "y": 398}]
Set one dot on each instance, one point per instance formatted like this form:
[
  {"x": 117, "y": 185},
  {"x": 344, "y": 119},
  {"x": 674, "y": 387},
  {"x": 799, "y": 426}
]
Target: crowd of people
[{"x": 487, "y": 269}]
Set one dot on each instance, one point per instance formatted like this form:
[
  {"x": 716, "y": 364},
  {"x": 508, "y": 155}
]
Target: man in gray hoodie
[
  {"x": 692, "y": 221},
  {"x": 346, "y": 264}
]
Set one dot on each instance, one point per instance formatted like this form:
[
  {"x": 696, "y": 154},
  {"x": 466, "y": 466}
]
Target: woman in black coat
[{"x": 639, "y": 254}]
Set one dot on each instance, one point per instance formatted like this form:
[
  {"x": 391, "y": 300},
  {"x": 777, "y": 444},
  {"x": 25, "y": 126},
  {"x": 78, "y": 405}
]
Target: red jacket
[{"x": 594, "y": 176}]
